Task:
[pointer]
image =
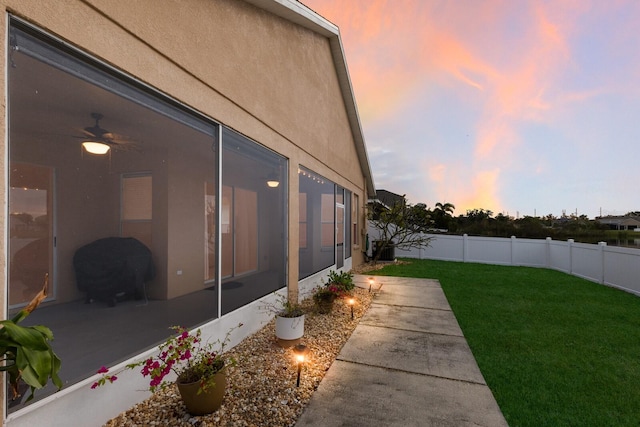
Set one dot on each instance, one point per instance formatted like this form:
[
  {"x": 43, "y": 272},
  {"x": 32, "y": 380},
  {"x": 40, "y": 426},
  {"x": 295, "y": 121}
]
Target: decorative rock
[{"x": 261, "y": 388}]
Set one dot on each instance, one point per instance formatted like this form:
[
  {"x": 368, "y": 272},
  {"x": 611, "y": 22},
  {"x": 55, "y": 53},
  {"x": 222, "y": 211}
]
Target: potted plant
[
  {"x": 343, "y": 280},
  {"x": 200, "y": 369},
  {"x": 324, "y": 296},
  {"x": 289, "y": 320},
  {"x": 26, "y": 351},
  {"x": 338, "y": 285}
]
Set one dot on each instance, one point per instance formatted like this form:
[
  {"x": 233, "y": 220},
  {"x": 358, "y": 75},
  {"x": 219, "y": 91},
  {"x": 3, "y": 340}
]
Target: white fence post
[
  {"x": 601, "y": 246},
  {"x": 465, "y": 247},
  {"x": 570, "y": 248}
]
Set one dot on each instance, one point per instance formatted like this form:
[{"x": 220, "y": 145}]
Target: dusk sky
[{"x": 519, "y": 107}]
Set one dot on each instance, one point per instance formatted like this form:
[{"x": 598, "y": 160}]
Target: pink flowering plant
[
  {"x": 328, "y": 292},
  {"x": 339, "y": 285},
  {"x": 184, "y": 354}
]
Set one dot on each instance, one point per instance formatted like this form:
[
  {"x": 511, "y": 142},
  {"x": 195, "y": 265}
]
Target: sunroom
[{"x": 157, "y": 183}]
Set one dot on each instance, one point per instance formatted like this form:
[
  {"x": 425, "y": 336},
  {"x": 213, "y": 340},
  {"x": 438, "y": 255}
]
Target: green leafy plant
[
  {"x": 339, "y": 284},
  {"x": 328, "y": 293},
  {"x": 26, "y": 351},
  {"x": 283, "y": 307},
  {"x": 184, "y": 354},
  {"x": 344, "y": 280},
  {"x": 290, "y": 309}
]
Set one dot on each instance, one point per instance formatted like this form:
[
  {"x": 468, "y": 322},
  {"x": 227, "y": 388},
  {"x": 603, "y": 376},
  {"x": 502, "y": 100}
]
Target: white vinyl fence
[{"x": 609, "y": 265}]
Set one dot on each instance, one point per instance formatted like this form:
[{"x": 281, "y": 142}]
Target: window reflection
[
  {"x": 253, "y": 221},
  {"x": 30, "y": 231},
  {"x": 317, "y": 222},
  {"x": 63, "y": 198}
]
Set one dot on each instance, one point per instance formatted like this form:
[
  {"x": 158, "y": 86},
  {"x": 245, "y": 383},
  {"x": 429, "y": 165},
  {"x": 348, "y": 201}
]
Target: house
[
  {"x": 384, "y": 200},
  {"x": 625, "y": 222},
  {"x": 223, "y": 135},
  {"x": 388, "y": 199}
]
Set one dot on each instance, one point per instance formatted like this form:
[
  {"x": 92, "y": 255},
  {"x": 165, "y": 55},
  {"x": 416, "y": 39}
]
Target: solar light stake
[
  {"x": 370, "y": 283},
  {"x": 351, "y": 303},
  {"x": 300, "y": 351}
]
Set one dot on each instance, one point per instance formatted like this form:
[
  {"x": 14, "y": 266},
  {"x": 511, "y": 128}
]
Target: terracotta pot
[
  {"x": 207, "y": 401},
  {"x": 289, "y": 330},
  {"x": 324, "y": 306}
]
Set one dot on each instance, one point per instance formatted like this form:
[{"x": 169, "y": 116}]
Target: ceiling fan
[{"x": 97, "y": 140}]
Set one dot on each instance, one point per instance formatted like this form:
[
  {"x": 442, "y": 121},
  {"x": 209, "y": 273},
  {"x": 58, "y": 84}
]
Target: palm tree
[
  {"x": 445, "y": 208},
  {"x": 443, "y": 213}
]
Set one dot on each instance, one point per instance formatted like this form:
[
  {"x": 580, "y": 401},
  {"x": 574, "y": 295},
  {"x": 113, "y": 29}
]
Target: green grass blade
[{"x": 556, "y": 350}]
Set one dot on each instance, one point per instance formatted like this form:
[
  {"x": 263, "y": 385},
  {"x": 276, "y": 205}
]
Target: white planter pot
[{"x": 289, "y": 328}]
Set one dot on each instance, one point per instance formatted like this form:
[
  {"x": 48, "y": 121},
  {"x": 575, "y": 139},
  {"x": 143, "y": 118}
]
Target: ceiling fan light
[
  {"x": 272, "y": 180},
  {"x": 95, "y": 147}
]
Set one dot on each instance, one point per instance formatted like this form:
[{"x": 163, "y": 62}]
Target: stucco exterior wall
[{"x": 242, "y": 66}]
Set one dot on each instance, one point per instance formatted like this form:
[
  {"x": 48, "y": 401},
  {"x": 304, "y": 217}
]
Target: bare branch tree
[{"x": 401, "y": 225}]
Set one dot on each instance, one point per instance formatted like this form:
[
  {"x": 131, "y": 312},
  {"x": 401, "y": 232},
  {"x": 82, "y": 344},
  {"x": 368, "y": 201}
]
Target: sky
[{"x": 521, "y": 107}]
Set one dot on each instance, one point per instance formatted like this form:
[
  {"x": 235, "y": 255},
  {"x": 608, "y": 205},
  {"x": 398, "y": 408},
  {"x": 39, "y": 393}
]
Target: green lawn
[{"x": 555, "y": 350}]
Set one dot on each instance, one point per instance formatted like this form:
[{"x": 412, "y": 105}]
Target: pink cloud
[
  {"x": 504, "y": 60},
  {"x": 438, "y": 173},
  {"x": 480, "y": 190},
  {"x": 482, "y": 193}
]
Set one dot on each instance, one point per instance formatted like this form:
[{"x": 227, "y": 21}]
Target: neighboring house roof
[
  {"x": 619, "y": 220},
  {"x": 387, "y": 198},
  {"x": 298, "y": 13}
]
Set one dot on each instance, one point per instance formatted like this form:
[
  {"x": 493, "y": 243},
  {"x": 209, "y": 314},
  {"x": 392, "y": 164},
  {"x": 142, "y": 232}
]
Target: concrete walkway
[{"x": 407, "y": 363}]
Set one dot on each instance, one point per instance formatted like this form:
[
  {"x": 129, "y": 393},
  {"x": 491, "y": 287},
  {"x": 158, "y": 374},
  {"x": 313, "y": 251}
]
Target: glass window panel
[
  {"x": 354, "y": 216},
  {"x": 210, "y": 231},
  {"x": 246, "y": 236},
  {"x": 340, "y": 225},
  {"x": 30, "y": 231},
  {"x": 136, "y": 198},
  {"x": 226, "y": 232},
  {"x": 327, "y": 206},
  {"x": 318, "y": 223},
  {"x": 52, "y": 100},
  {"x": 253, "y": 220},
  {"x": 347, "y": 224},
  {"x": 302, "y": 203}
]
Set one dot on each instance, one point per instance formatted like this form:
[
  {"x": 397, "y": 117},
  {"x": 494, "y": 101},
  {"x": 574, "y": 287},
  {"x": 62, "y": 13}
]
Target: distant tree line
[{"x": 481, "y": 222}]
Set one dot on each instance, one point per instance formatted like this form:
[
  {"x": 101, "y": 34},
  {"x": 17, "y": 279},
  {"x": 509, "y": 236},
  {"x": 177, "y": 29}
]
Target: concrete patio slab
[
  {"x": 435, "y": 321},
  {"x": 357, "y": 395},
  {"x": 424, "y": 353},
  {"x": 406, "y": 364},
  {"x": 424, "y": 295}
]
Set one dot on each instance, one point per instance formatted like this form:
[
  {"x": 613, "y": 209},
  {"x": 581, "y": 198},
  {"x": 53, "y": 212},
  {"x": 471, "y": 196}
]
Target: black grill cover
[{"x": 113, "y": 266}]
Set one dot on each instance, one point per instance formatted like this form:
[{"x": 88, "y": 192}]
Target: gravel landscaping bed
[{"x": 262, "y": 388}]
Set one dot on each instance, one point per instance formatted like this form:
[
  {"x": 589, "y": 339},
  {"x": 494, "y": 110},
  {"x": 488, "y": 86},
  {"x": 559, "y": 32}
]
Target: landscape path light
[
  {"x": 300, "y": 352},
  {"x": 371, "y": 282},
  {"x": 351, "y": 302}
]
